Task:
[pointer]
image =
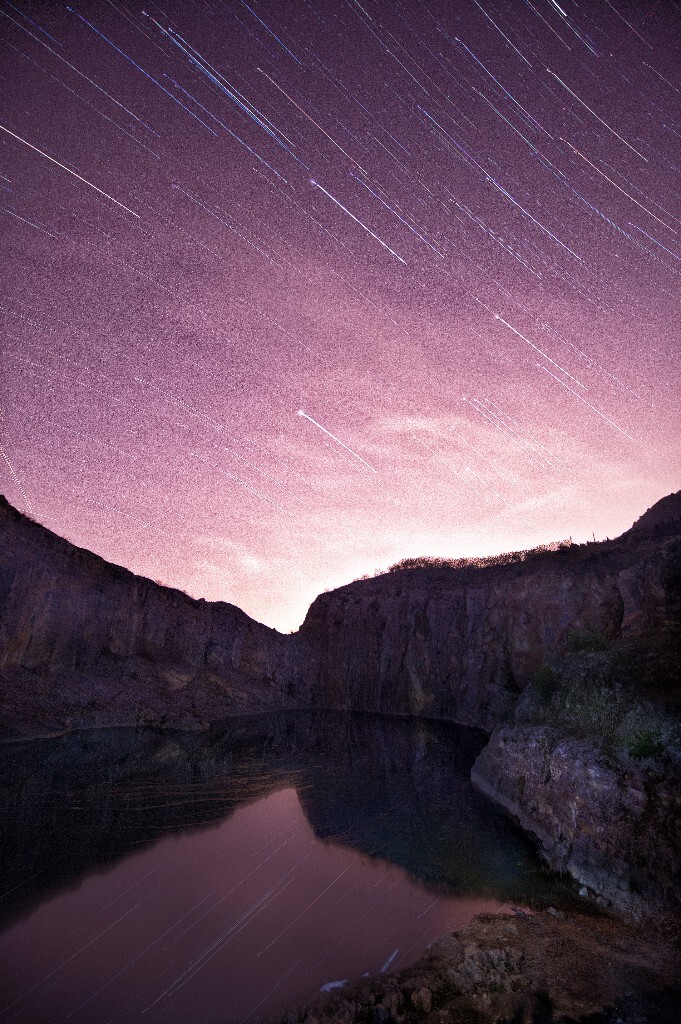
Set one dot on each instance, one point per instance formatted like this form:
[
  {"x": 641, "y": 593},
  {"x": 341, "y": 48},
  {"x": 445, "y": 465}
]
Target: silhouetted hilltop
[
  {"x": 664, "y": 516},
  {"x": 660, "y": 521}
]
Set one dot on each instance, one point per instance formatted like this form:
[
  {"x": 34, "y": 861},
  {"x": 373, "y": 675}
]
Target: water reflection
[{"x": 294, "y": 885}]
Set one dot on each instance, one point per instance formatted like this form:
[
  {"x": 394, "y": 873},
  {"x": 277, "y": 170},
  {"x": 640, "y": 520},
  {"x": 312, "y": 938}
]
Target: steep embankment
[
  {"x": 84, "y": 643},
  {"x": 609, "y": 821}
]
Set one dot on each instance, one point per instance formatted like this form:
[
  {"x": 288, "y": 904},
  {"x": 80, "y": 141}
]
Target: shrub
[
  {"x": 545, "y": 682},
  {"x": 592, "y": 713},
  {"x": 647, "y": 743},
  {"x": 482, "y": 562},
  {"x": 585, "y": 640},
  {"x": 609, "y": 713}
]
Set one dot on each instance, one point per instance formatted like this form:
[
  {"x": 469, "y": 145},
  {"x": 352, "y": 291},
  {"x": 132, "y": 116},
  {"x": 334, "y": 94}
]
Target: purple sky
[{"x": 447, "y": 233}]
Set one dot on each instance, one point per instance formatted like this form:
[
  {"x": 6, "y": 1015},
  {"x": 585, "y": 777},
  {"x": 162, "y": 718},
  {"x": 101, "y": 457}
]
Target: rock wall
[{"x": 461, "y": 644}]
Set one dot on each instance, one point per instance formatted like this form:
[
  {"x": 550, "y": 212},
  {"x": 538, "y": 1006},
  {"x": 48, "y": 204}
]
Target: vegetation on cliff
[{"x": 618, "y": 696}]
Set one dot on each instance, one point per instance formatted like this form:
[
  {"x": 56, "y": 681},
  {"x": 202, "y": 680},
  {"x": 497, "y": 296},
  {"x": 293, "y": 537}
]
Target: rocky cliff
[
  {"x": 83, "y": 642},
  {"x": 572, "y": 756},
  {"x": 610, "y": 822},
  {"x": 462, "y": 643},
  {"x": 86, "y": 643}
]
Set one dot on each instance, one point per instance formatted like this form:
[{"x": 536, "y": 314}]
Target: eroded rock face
[
  {"x": 612, "y": 824},
  {"x": 85, "y": 643},
  {"x": 462, "y": 643}
]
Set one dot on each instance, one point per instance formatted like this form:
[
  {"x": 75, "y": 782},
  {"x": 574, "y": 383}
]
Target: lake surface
[{"x": 188, "y": 878}]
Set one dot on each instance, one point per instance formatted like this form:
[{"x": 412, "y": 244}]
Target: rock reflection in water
[{"x": 228, "y": 921}]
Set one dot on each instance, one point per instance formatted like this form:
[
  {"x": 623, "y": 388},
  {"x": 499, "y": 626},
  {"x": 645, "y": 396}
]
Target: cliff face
[
  {"x": 83, "y": 642},
  {"x": 589, "y": 763},
  {"x": 454, "y": 648}
]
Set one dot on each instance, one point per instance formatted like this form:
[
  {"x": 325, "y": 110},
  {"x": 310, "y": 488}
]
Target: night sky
[{"x": 292, "y": 290}]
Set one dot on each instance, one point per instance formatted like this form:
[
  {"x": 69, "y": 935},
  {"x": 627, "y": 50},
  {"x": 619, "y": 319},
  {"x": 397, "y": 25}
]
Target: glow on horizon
[{"x": 391, "y": 286}]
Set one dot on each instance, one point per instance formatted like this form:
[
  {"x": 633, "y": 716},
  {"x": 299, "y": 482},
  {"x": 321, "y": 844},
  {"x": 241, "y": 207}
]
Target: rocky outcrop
[
  {"x": 610, "y": 822},
  {"x": 84, "y": 643}
]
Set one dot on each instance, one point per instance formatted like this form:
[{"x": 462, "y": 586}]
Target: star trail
[{"x": 294, "y": 290}]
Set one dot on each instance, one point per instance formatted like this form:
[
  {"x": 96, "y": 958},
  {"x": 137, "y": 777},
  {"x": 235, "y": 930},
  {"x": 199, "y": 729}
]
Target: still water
[{"x": 189, "y": 879}]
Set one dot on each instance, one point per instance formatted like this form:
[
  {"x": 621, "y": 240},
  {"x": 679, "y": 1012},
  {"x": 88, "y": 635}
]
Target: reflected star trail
[{"x": 417, "y": 221}]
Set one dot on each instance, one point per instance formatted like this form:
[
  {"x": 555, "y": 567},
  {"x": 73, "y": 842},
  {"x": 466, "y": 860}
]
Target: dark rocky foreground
[
  {"x": 569, "y": 658},
  {"x": 519, "y": 969}
]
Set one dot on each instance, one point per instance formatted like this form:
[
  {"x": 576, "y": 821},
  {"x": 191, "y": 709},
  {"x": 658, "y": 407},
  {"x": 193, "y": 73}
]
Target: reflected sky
[
  {"x": 205, "y": 877},
  {"x": 226, "y": 923}
]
